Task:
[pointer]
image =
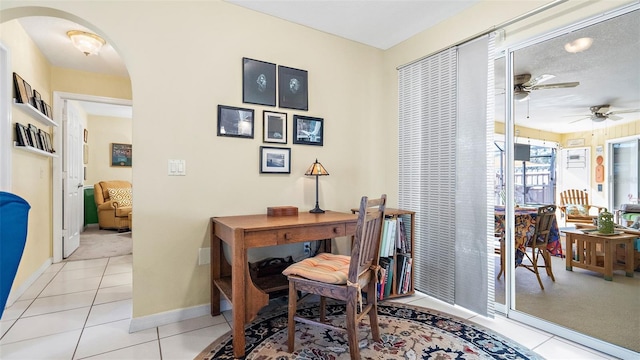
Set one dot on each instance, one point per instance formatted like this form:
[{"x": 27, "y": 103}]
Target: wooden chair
[
  {"x": 575, "y": 206},
  {"x": 538, "y": 243},
  {"x": 343, "y": 278}
]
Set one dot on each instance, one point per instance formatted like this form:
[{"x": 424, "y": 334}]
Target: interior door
[
  {"x": 72, "y": 179},
  {"x": 624, "y": 172}
]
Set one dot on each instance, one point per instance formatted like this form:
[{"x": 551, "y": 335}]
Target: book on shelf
[{"x": 404, "y": 274}]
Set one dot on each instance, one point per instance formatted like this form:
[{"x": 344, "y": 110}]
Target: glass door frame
[{"x": 510, "y": 297}]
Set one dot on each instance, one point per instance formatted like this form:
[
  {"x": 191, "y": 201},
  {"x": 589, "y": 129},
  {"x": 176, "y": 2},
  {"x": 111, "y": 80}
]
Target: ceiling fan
[
  {"x": 524, "y": 84},
  {"x": 601, "y": 113}
]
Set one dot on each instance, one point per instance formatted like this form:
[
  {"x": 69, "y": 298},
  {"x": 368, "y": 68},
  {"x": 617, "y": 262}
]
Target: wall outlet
[
  {"x": 307, "y": 249},
  {"x": 204, "y": 256}
]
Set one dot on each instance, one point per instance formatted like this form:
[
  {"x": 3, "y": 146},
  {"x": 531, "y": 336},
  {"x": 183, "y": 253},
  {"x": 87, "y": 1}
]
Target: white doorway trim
[
  {"x": 58, "y": 105},
  {"x": 6, "y": 96}
]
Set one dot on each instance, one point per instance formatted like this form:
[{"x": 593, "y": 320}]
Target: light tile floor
[{"x": 81, "y": 310}]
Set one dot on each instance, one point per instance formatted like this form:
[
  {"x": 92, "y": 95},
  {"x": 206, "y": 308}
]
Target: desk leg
[
  {"x": 216, "y": 264},
  {"x": 629, "y": 261},
  {"x": 239, "y": 256}
]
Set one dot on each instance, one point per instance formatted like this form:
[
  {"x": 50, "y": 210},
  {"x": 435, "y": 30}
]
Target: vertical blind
[{"x": 445, "y": 124}]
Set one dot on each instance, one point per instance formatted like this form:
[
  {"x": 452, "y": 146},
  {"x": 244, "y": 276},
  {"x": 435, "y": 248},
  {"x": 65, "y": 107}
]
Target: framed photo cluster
[
  {"x": 33, "y": 137},
  {"x": 265, "y": 83},
  {"x": 26, "y": 95}
]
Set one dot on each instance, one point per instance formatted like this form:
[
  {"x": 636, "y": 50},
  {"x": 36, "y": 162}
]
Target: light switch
[{"x": 177, "y": 168}]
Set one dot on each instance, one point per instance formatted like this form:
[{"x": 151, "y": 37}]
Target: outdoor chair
[{"x": 537, "y": 243}]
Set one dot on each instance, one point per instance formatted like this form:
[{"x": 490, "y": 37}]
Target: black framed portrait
[
  {"x": 274, "y": 127},
  {"x": 235, "y": 121},
  {"x": 293, "y": 88},
  {"x": 258, "y": 82},
  {"x": 275, "y": 160},
  {"x": 308, "y": 130},
  {"x": 22, "y": 96}
]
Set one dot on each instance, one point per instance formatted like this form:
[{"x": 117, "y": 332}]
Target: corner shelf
[
  {"x": 31, "y": 149},
  {"x": 34, "y": 113}
]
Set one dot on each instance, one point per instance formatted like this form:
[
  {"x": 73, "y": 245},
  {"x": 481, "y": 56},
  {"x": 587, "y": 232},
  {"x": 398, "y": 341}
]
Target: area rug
[{"x": 407, "y": 332}]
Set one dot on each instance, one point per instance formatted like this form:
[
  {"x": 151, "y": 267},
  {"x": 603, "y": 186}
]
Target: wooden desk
[
  {"x": 586, "y": 256},
  {"x": 254, "y": 231}
]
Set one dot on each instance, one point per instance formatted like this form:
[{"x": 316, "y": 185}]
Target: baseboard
[
  {"x": 18, "y": 291},
  {"x": 168, "y": 317}
]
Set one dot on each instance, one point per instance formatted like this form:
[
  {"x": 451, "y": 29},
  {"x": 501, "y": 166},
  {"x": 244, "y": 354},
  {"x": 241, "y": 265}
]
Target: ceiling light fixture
[
  {"x": 578, "y": 45},
  {"x": 88, "y": 43}
]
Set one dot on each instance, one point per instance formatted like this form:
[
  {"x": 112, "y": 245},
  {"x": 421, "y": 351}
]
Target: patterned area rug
[{"x": 407, "y": 332}]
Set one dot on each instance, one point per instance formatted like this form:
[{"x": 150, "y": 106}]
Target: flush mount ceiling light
[
  {"x": 578, "y": 45},
  {"x": 88, "y": 43}
]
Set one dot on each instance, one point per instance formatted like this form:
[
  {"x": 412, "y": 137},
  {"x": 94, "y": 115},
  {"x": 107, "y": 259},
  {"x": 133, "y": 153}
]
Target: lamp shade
[
  {"x": 316, "y": 169},
  {"x": 88, "y": 43}
]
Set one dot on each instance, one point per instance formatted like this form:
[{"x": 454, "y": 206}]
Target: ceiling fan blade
[
  {"x": 584, "y": 118},
  {"x": 623, "y": 112},
  {"x": 554, "y": 86},
  {"x": 538, "y": 79},
  {"x": 614, "y": 117}
]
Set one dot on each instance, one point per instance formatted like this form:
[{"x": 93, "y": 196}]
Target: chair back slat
[
  {"x": 574, "y": 196},
  {"x": 366, "y": 244},
  {"x": 544, "y": 221}
]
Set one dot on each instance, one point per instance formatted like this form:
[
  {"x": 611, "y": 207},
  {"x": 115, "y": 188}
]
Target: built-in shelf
[
  {"x": 31, "y": 149},
  {"x": 34, "y": 113}
]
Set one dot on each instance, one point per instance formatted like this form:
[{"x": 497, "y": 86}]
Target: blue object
[{"x": 14, "y": 214}]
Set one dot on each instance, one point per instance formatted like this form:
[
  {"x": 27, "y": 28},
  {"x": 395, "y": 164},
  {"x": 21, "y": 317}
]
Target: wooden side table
[{"x": 582, "y": 252}]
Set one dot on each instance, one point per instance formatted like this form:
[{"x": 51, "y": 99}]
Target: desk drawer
[{"x": 293, "y": 235}]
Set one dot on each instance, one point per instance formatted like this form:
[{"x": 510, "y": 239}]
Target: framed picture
[
  {"x": 85, "y": 154},
  {"x": 50, "y": 142},
  {"x": 49, "y": 113},
  {"x": 274, "y": 127},
  {"x": 22, "y": 138},
  {"x": 22, "y": 96},
  {"x": 308, "y": 130},
  {"x": 258, "y": 82},
  {"x": 86, "y": 135},
  {"x": 234, "y": 121},
  {"x": 293, "y": 88},
  {"x": 43, "y": 140},
  {"x": 34, "y": 140},
  {"x": 275, "y": 160},
  {"x": 120, "y": 154},
  {"x": 27, "y": 88},
  {"x": 37, "y": 101}
]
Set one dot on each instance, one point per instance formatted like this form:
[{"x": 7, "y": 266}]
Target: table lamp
[{"x": 316, "y": 169}]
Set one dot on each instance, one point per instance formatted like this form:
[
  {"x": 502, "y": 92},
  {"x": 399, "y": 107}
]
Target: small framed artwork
[
  {"x": 121, "y": 154},
  {"x": 308, "y": 130},
  {"x": 34, "y": 140},
  {"x": 86, "y": 135},
  {"x": 234, "y": 121},
  {"x": 50, "y": 142},
  {"x": 43, "y": 140},
  {"x": 37, "y": 101},
  {"x": 258, "y": 82},
  {"x": 49, "y": 113},
  {"x": 85, "y": 154},
  {"x": 275, "y": 160},
  {"x": 22, "y": 138},
  {"x": 293, "y": 88},
  {"x": 29, "y": 94},
  {"x": 22, "y": 96},
  {"x": 274, "y": 127}
]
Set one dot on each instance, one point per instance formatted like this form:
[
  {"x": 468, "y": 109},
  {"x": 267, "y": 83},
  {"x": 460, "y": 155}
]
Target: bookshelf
[{"x": 396, "y": 254}]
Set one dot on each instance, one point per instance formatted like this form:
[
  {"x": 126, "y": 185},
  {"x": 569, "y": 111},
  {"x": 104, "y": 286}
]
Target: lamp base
[{"x": 316, "y": 210}]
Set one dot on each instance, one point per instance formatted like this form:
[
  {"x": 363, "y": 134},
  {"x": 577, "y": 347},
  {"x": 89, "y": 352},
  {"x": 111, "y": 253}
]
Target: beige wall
[
  {"x": 103, "y": 131},
  {"x": 177, "y": 84},
  {"x": 32, "y": 173}
]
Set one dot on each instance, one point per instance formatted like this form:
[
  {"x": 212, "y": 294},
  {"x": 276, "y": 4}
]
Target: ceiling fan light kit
[
  {"x": 88, "y": 43},
  {"x": 578, "y": 45}
]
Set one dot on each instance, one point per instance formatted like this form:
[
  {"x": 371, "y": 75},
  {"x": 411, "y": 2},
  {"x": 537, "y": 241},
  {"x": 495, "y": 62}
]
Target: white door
[
  {"x": 574, "y": 171},
  {"x": 72, "y": 179}
]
